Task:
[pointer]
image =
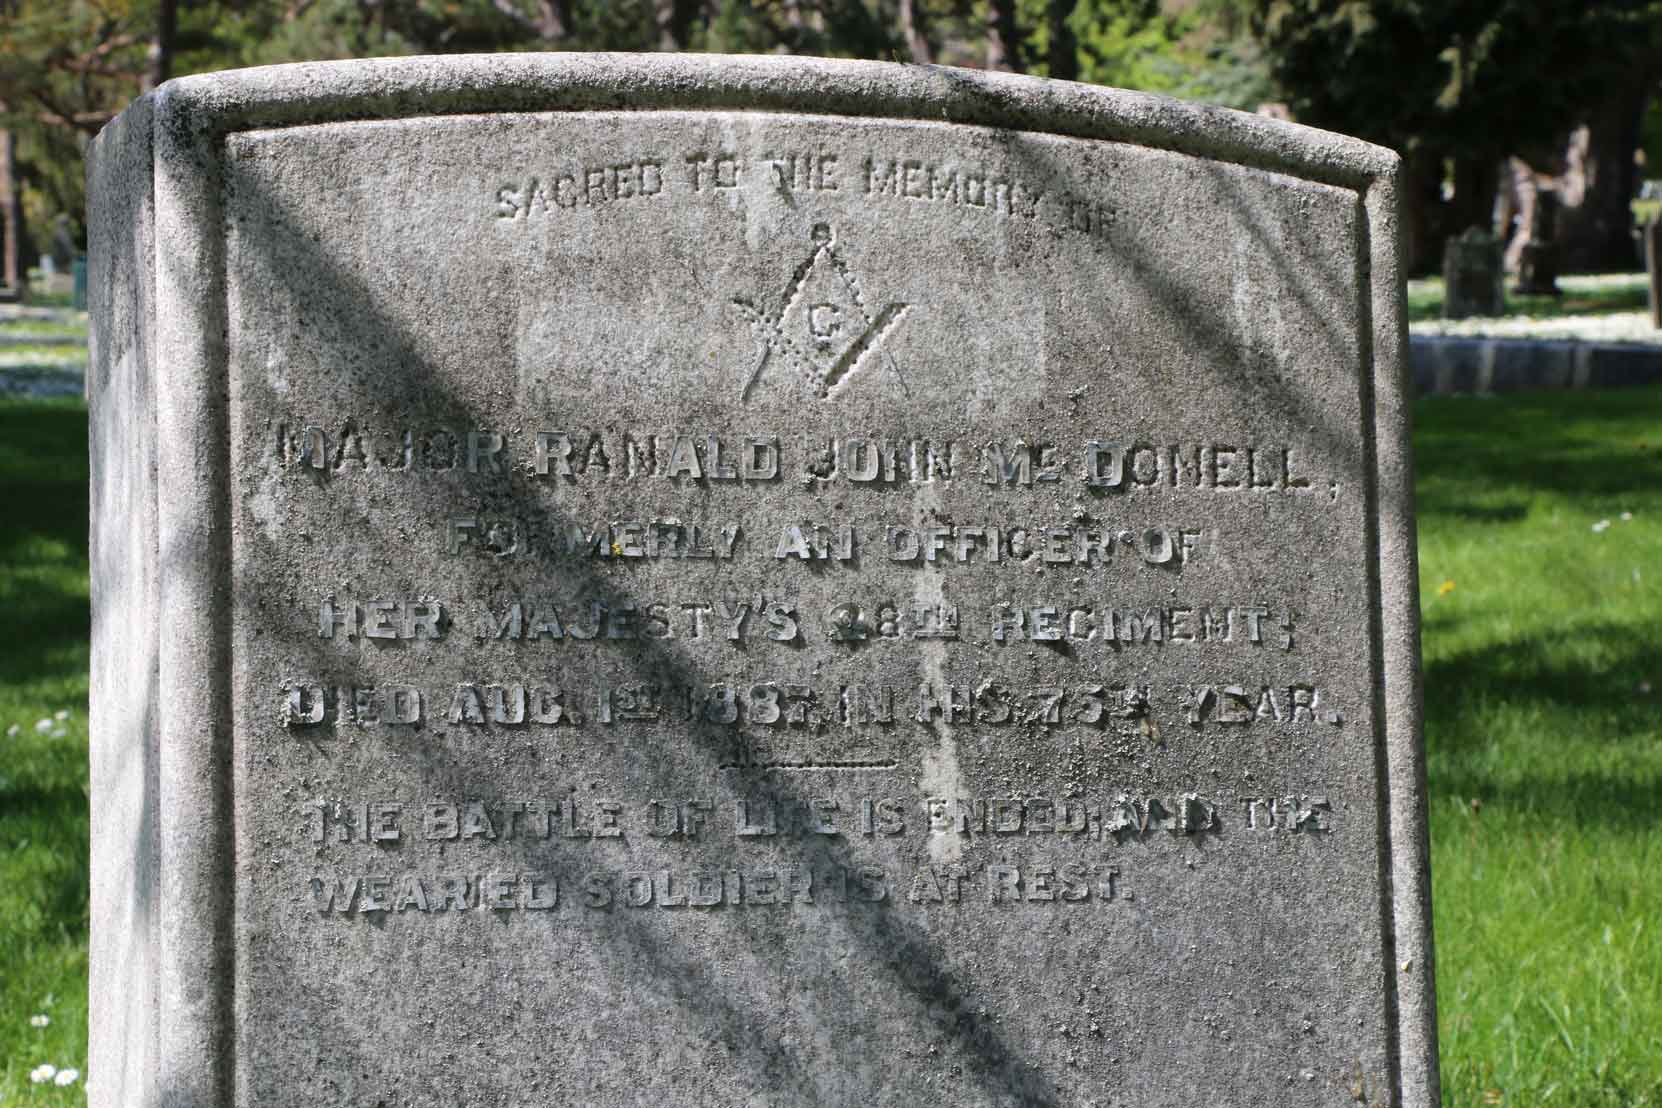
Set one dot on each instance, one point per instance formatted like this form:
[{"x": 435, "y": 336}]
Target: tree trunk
[
  {"x": 672, "y": 30},
  {"x": 554, "y": 20},
  {"x": 1062, "y": 60},
  {"x": 11, "y": 219},
  {"x": 1003, "y": 48},
  {"x": 911, "y": 26},
  {"x": 1422, "y": 200},
  {"x": 675, "y": 20},
  {"x": 1600, "y": 180},
  {"x": 1476, "y": 173},
  {"x": 159, "y": 60}
]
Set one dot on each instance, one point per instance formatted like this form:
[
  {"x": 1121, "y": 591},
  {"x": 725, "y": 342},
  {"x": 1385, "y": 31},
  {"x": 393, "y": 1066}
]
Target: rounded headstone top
[{"x": 386, "y": 88}]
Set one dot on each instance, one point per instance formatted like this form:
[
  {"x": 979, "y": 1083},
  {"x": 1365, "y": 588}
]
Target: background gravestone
[
  {"x": 716, "y": 581},
  {"x": 1473, "y": 275}
]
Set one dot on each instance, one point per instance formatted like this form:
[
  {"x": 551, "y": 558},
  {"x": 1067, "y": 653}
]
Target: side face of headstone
[
  {"x": 1473, "y": 275},
  {"x": 761, "y": 582},
  {"x": 125, "y": 711}
]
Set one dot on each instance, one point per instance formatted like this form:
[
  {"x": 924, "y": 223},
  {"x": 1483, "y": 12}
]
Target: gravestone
[
  {"x": 748, "y": 581},
  {"x": 1473, "y": 275}
]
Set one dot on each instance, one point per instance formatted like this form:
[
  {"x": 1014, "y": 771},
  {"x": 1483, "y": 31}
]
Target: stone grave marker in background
[
  {"x": 1473, "y": 275},
  {"x": 687, "y": 581}
]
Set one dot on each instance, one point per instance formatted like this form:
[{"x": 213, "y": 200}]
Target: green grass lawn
[
  {"x": 1543, "y": 649},
  {"x": 54, "y": 316},
  {"x": 43, "y": 773},
  {"x": 20, "y": 330},
  {"x": 1543, "y": 670},
  {"x": 1585, "y": 295}
]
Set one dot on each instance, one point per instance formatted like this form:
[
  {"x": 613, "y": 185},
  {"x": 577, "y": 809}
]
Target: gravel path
[
  {"x": 1618, "y": 327},
  {"x": 1628, "y": 328}
]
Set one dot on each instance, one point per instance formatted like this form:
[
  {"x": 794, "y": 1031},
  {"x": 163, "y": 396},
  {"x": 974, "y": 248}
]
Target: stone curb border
[
  {"x": 36, "y": 384},
  {"x": 1444, "y": 364}
]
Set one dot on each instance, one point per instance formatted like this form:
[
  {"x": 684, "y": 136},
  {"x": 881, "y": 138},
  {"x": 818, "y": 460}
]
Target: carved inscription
[
  {"x": 822, "y": 329},
  {"x": 866, "y": 178},
  {"x": 574, "y": 456},
  {"x": 1123, "y": 621},
  {"x": 762, "y": 618},
  {"x": 1125, "y": 820},
  {"x": 784, "y": 885},
  {"x": 554, "y": 537},
  {"x": 784, "y": 705}
]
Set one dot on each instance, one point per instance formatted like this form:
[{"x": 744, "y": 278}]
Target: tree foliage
[
  {"x": 1490, "y": 76},
  {"x": 66, "y": 66},
  {"x": 1451, "y": 83},
  {"x": 70, "y": 63},
  {"x": 1458, "y": 85}
]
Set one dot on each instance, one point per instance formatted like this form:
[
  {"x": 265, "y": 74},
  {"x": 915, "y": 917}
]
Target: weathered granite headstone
[
  {"x": 1473, "y": 275},
  {"x": 690, "y": 581}
]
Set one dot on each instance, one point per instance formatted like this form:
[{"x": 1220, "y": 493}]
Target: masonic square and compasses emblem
[{"x": 824, "y": 330}]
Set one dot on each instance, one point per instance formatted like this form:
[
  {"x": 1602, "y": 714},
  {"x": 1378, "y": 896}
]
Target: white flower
[
  {"x": 67, "y": 1077},
  {"x": 43, "y": 1072},
  {"x": 39, "y": 1021},
  {"x": 60, "y": 733},
  {"x": 1627, "y": 517},
  {"x": 1601, "y": 525},
  {"x": 11, "y": 732},
  {"x": 61, "y": 715},
  {"x": 43, "y": 725}
]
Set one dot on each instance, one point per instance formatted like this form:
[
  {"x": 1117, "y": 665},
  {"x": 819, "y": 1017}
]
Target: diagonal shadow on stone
[{"x": 893, "y": 947}]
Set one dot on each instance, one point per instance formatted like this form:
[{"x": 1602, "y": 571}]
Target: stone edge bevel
[
  {"x": 1397, "y": 562},
  {"x": 388, "y": 88},
  {"x": 197, "y": 986}
]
